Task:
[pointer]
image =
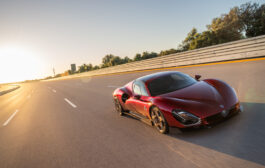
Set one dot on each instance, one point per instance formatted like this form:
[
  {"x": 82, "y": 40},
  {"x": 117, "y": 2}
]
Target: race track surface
[{"x": 71, "y": 123}]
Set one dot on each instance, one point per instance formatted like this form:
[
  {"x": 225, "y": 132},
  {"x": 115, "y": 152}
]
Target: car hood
[{"x": 201, "y": 99}]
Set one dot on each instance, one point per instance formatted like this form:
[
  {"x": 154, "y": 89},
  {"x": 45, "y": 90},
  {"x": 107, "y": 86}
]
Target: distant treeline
[{"x": 245, "y": 21}]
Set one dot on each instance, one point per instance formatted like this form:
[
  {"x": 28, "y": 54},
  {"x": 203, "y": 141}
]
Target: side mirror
[
  {"x": 138, "y": 97},
  {"x": 197, "y": 77}
]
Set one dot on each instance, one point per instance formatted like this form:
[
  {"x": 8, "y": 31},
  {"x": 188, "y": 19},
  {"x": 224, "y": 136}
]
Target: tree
[
  {"x": 167, "y": 52},
  {"x": 57, "y": 75},
  {"x": 111, "y": 60},
  {"x": 49, "y": 77},
  {"x": 252, "y": 17},
  {"x": 227, "y": 27},
  {"x": 137, "y": 57},
  {"x": 96, "y": 67},
  {"x": 144, "y": 55},
  {"x": 147, "y": 55},
  {"x": 82, "y": 68},
  {"x": 116, "y": 60},
  {"x": 189, "y": 41},
  {"x": 106, "y": 61},
  {"x": 70, "y": 72},
  {"x": 126, "y": 59},
  {"x": 85, "y": 68},
  {"x": 206, "y": 38}
]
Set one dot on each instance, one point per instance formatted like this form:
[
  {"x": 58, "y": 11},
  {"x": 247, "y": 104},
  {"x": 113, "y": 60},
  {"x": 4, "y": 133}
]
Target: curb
[{"x": 9, "y": 90}]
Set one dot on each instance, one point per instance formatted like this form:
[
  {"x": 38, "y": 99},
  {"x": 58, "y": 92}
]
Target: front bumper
[
  {"x": 216, "y": 118},
  {"x": 208, "y": 120}
]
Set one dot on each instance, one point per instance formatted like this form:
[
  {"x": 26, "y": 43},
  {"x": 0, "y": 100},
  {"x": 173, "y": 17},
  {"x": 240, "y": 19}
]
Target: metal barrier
[{"x": 241, "y": 49}]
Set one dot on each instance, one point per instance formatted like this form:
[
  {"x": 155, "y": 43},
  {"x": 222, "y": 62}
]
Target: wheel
[
  {"x": 159, "y": 120},
  {"x": 118, "y": 107}
]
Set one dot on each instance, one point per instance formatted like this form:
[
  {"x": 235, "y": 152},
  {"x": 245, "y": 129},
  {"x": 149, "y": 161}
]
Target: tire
[
  {"x": 118, "y": 107},
  {"x": 159, "y": 120}
]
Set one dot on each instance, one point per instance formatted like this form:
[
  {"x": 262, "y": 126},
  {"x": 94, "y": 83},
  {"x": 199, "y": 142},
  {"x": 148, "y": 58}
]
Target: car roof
[{"x": 155, "y": 75}]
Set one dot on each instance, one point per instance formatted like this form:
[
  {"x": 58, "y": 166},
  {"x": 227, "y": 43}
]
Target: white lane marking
[
  {"x": 10, "y": 118},
  {"x": 54, "y": 90},
  {"x": 72, "y": 104},
  {"x": 29, "y": 96},
  {"x": 112, "y": 86}
]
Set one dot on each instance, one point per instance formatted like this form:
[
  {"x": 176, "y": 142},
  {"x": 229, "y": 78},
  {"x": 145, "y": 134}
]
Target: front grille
[
  {"x": 214, "y": 118},
  {"x": 218, "y": 117}
]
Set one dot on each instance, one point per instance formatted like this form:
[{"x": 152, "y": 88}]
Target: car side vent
[{"x": 124, "y": 97}]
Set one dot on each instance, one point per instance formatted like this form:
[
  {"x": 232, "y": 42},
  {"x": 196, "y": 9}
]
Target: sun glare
[{"x": 18, "y": 64}]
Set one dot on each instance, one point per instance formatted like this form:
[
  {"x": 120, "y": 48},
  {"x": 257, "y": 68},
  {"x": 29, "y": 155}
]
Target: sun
[{"x": 18, "y": 64}]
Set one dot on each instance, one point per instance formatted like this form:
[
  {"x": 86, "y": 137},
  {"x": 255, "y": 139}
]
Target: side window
[
  {"x": 143, "y": 90},
  {"x": 139, "y": 88},
  {"x": 136, "y": 89}
]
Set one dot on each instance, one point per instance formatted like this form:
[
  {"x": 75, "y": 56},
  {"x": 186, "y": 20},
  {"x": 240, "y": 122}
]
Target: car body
[{"x": 180, "y": 100}]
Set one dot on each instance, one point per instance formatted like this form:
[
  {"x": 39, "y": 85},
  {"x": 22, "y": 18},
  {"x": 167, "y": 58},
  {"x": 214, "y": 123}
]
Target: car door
[
  {"x": 130, "y": 102},
  {"x": 140, "y": 104}
]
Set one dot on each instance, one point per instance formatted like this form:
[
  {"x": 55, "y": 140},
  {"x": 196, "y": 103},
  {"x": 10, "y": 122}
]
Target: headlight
[{"x": 185, "y": 117}]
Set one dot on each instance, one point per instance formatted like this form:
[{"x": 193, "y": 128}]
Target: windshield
[{"x": 169, "y": 83}]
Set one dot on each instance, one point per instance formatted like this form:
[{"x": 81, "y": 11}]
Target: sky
[{"x": 39, "y": 35}]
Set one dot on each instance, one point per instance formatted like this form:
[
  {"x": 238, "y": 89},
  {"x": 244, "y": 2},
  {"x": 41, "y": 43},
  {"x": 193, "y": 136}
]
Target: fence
[{"x": 241, "y": 49}]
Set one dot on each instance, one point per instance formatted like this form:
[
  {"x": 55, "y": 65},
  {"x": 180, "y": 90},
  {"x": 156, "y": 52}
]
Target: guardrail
[{"x": 241, "y": 49}]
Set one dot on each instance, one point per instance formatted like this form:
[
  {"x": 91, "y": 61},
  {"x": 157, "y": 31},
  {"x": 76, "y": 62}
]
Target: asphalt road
[{"x": 71, "y": 123}]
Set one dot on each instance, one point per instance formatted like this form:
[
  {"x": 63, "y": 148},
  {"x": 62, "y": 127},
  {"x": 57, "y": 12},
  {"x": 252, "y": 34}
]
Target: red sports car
[{"x": 174, "y": 99}]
